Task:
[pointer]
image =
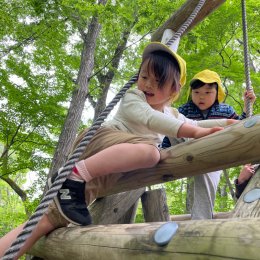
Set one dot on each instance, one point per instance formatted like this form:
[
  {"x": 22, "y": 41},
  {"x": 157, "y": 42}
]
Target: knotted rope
[{"x": 67, "y": 168}]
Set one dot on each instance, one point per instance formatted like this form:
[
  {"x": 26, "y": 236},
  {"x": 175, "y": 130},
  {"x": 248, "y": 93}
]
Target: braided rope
[
  {"x": 246, "y": 59},
  {"x": 187, "y": 23},
  {"x": 67, "y": 168}
]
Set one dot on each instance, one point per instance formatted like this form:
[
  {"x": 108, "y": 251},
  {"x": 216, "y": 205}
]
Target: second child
[{"x": 206, "y": 97}]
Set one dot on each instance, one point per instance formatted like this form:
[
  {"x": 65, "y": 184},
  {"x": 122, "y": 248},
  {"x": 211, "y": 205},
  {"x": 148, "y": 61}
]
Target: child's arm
[
  {"x": 192, "y": 131},
  {"x": 245, "y": 175}
]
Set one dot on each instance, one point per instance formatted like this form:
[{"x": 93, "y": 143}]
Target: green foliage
[
  {"x": 176, "y": 196},
  {"x": 139, "y": 218},
  {"x": 11, "y": 209}
]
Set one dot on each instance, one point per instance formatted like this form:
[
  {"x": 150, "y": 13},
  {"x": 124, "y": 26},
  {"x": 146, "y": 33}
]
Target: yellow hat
[
  {"x": 157, "y": 46},
  {"x": 209, "y": 76}
]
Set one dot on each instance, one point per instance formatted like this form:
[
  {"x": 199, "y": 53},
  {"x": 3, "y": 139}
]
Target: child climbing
[
  {"x": 129, "y": 141},
  {"x": 206, "y": 97}
]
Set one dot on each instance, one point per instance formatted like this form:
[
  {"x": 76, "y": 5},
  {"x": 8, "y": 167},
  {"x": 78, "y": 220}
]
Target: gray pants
[{"x": 205, "y": 189}]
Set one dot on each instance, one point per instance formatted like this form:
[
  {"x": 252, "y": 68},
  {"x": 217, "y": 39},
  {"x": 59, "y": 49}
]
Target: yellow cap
[
  {"x": 158, "y": 46},
  {"x": 209, "y": 76}
]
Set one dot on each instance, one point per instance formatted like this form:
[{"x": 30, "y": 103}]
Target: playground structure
[{"x": 235, "y": 237}]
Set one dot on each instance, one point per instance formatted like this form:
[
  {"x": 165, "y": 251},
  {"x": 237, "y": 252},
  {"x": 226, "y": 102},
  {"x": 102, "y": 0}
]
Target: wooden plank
[
  {"x": 235, "y": 145},
  {"x": 209, "y": 239},
  {"x": 182, "y": 14}
]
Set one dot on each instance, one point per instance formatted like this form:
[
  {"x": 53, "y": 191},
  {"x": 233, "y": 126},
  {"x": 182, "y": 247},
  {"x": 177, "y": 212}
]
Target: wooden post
[
  {"x": 129, "y": 216},
  {"x": 154, "y": 204}
]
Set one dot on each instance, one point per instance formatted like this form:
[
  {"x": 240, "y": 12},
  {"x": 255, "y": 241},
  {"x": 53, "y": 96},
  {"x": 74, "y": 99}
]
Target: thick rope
[
  {"x": 67, "y": 168},
  {"x": 187, "y": 23},
  {"x": 246, "y": 59}
]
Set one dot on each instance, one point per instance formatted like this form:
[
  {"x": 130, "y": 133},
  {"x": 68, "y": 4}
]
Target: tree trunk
[
  {"x": 190, "y": 194},
  {"x": 70, "y": 128},
  {"x": 229, "y": 184}
]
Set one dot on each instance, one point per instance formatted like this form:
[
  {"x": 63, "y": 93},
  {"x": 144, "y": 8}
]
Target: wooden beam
[
  {"x": 235, "y": 145},
  {"x": 209, "y": 239},
  {"x": 182, "y": 14},
  {"x": 216, "y": 215}
]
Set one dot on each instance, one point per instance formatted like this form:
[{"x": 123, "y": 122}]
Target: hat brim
[
  {"x": 207, "y": 77},
  {"x": 157, "y": 46}
]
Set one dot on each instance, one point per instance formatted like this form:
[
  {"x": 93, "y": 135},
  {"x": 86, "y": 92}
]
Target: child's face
[
  {"x": 156, "y": 97},
  {"x": 204, "y": 97}
]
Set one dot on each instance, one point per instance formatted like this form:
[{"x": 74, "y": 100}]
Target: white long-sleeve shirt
[{"x": 136, "y": 116}]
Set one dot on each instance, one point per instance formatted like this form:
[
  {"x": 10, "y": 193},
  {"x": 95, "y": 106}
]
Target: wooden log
[
  {"x": 236, "y": 145},
  {"x": 249, "y": 210},
  {"x": 209, "y": 239},
  {"x": 216, "y": 215},
  {"x": 154, "y": 204},
  {"x": 181, "y": 15}
]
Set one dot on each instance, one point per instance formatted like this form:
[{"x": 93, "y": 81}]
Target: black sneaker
[{"x": 70, "y": 202}]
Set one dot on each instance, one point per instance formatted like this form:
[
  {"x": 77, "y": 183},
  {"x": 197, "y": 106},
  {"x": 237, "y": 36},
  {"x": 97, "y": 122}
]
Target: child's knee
[
  {"x": 45, "y": 225},
  {"x": 153, "y": 156}
]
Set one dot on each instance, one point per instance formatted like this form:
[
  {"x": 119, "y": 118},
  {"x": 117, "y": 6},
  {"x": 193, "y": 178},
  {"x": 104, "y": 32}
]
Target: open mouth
[{"x": 148, "y": 94}]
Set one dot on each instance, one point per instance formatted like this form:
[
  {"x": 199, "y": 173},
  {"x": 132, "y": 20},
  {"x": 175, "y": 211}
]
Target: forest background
[{"x": 62, "y": 61}]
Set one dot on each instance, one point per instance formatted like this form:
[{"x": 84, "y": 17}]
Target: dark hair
[
  {"x": 198, "y": 84},
  {"x": 164, "y": 67}
]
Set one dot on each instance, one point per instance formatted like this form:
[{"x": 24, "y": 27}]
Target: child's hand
[
  {"x": 246, "y": 173},
  {"x": 231, "y": 121},
  {"x": 200, "y": 132},
  {"x": 249, "y": 94},
  {"x": 191, "y": 131}
]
